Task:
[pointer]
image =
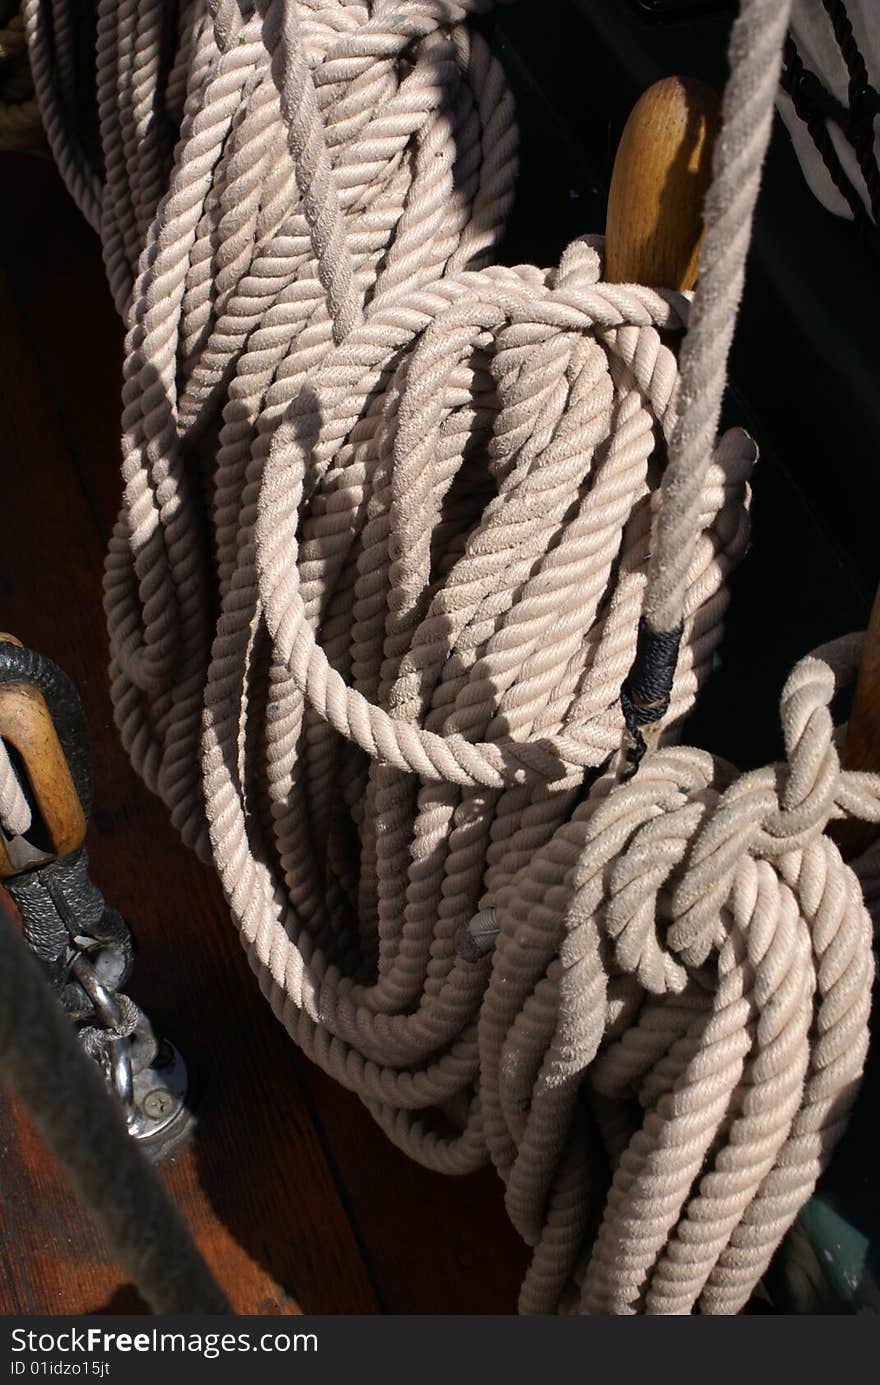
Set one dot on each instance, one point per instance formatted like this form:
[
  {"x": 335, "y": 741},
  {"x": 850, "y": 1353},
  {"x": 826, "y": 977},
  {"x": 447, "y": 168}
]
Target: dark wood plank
[
  {"x": 437, "y": 1245},
  {"x": 254, "y": 1182}
]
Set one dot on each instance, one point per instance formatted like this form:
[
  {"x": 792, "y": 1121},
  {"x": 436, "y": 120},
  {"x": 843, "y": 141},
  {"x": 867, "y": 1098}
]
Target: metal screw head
[
  {"x": 158, "y": 1103},
  {"x": 159, "y": 1117}
]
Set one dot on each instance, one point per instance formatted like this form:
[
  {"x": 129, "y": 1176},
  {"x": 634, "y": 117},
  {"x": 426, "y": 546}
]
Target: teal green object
[
  {"x": 830, "y": 1260},
  {"x": 824, "y": 1266}
]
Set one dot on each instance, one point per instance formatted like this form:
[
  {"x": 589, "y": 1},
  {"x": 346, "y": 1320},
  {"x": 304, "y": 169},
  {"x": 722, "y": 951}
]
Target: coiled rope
[{"x": 392, "y": 519}]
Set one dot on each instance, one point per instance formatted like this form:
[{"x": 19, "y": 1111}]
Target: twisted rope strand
[{"x": 392, "y": 517}]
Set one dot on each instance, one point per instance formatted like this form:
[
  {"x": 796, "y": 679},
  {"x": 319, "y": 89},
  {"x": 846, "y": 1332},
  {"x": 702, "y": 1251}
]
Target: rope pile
[{"x": 395, "y": 520}]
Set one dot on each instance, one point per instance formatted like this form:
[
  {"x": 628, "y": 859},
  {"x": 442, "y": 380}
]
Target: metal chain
[{"x": 85, "y": 947}]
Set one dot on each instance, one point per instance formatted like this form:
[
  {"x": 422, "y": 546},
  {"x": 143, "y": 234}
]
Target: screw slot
[{"x": 158, "y": 1103}]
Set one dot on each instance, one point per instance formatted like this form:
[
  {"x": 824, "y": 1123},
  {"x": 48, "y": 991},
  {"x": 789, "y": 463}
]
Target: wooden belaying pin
[
  {"x": 861, "y": 749},
  {"x": 653, "y": 234},
  {"x": 661, "y": 173}
]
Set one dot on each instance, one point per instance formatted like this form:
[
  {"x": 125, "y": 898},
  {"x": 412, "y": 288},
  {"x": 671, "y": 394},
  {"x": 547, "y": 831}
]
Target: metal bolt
[{"x": 158, "y": 1103}]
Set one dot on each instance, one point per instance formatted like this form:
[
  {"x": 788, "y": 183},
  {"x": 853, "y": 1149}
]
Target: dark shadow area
[{"x": 125, "y": 1301}]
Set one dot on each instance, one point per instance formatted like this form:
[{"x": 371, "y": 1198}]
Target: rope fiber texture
[
  {"x": 391, "y": 518},
  {"x": 15, "y": 811}
]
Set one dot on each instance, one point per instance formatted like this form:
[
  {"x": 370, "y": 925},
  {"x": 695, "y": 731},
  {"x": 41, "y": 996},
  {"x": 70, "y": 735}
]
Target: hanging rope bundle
[
  {"x": 397, "y": 527},
  {"x": 712, "y": 971}
]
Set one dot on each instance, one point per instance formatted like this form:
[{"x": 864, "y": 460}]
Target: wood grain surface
[
  {"x": 861, "y": 748},
  {"x": 663, "y": 167}
]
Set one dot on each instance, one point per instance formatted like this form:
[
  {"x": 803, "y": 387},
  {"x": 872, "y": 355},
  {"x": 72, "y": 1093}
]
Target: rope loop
[
  {"x": 774, "y": 812},
  {"x": 543, "y": 346},
  {"x": 678, "y": 946},
  {"x": 392, "y": 518}
]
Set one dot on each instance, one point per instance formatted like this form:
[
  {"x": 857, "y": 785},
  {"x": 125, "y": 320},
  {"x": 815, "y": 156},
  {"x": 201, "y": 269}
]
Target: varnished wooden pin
[
  {"x": 661, "y": 173},
  {"x": 27, "y": 726},
  {"x": 861, "y": 747}
]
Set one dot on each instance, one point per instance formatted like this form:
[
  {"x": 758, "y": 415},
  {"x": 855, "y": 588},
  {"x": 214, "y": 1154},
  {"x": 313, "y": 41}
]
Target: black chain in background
[{"x": 815, "y": 106}]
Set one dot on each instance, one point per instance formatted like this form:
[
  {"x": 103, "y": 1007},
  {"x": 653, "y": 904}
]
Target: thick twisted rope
[
  {"x": 391, "y": 521},
  {"x": 756, "y": 44},
  {"x": 706, "y": 960}
]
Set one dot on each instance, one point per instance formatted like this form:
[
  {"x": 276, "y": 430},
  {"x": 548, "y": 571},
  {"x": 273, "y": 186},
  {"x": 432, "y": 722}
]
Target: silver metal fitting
[{"x": 478, "y": 937}]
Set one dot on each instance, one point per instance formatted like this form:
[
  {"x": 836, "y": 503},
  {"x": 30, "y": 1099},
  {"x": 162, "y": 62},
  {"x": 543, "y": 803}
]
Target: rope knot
[
  {"x": 814, "y": 787},
  {"x": 97, "y": 1040},
  {"x": 670, "y": 894}
]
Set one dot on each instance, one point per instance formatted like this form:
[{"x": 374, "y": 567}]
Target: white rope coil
[
  {"x": 374, "y": 589},
  {"x": 694, "y": 942}
]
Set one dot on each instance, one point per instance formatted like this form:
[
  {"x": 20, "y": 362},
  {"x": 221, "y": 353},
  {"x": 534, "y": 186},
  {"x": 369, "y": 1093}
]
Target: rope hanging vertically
[{"x": 392, "y": 517}]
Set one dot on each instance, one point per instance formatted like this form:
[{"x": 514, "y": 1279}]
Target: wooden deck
[{"x": 297, "y": 1200}]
